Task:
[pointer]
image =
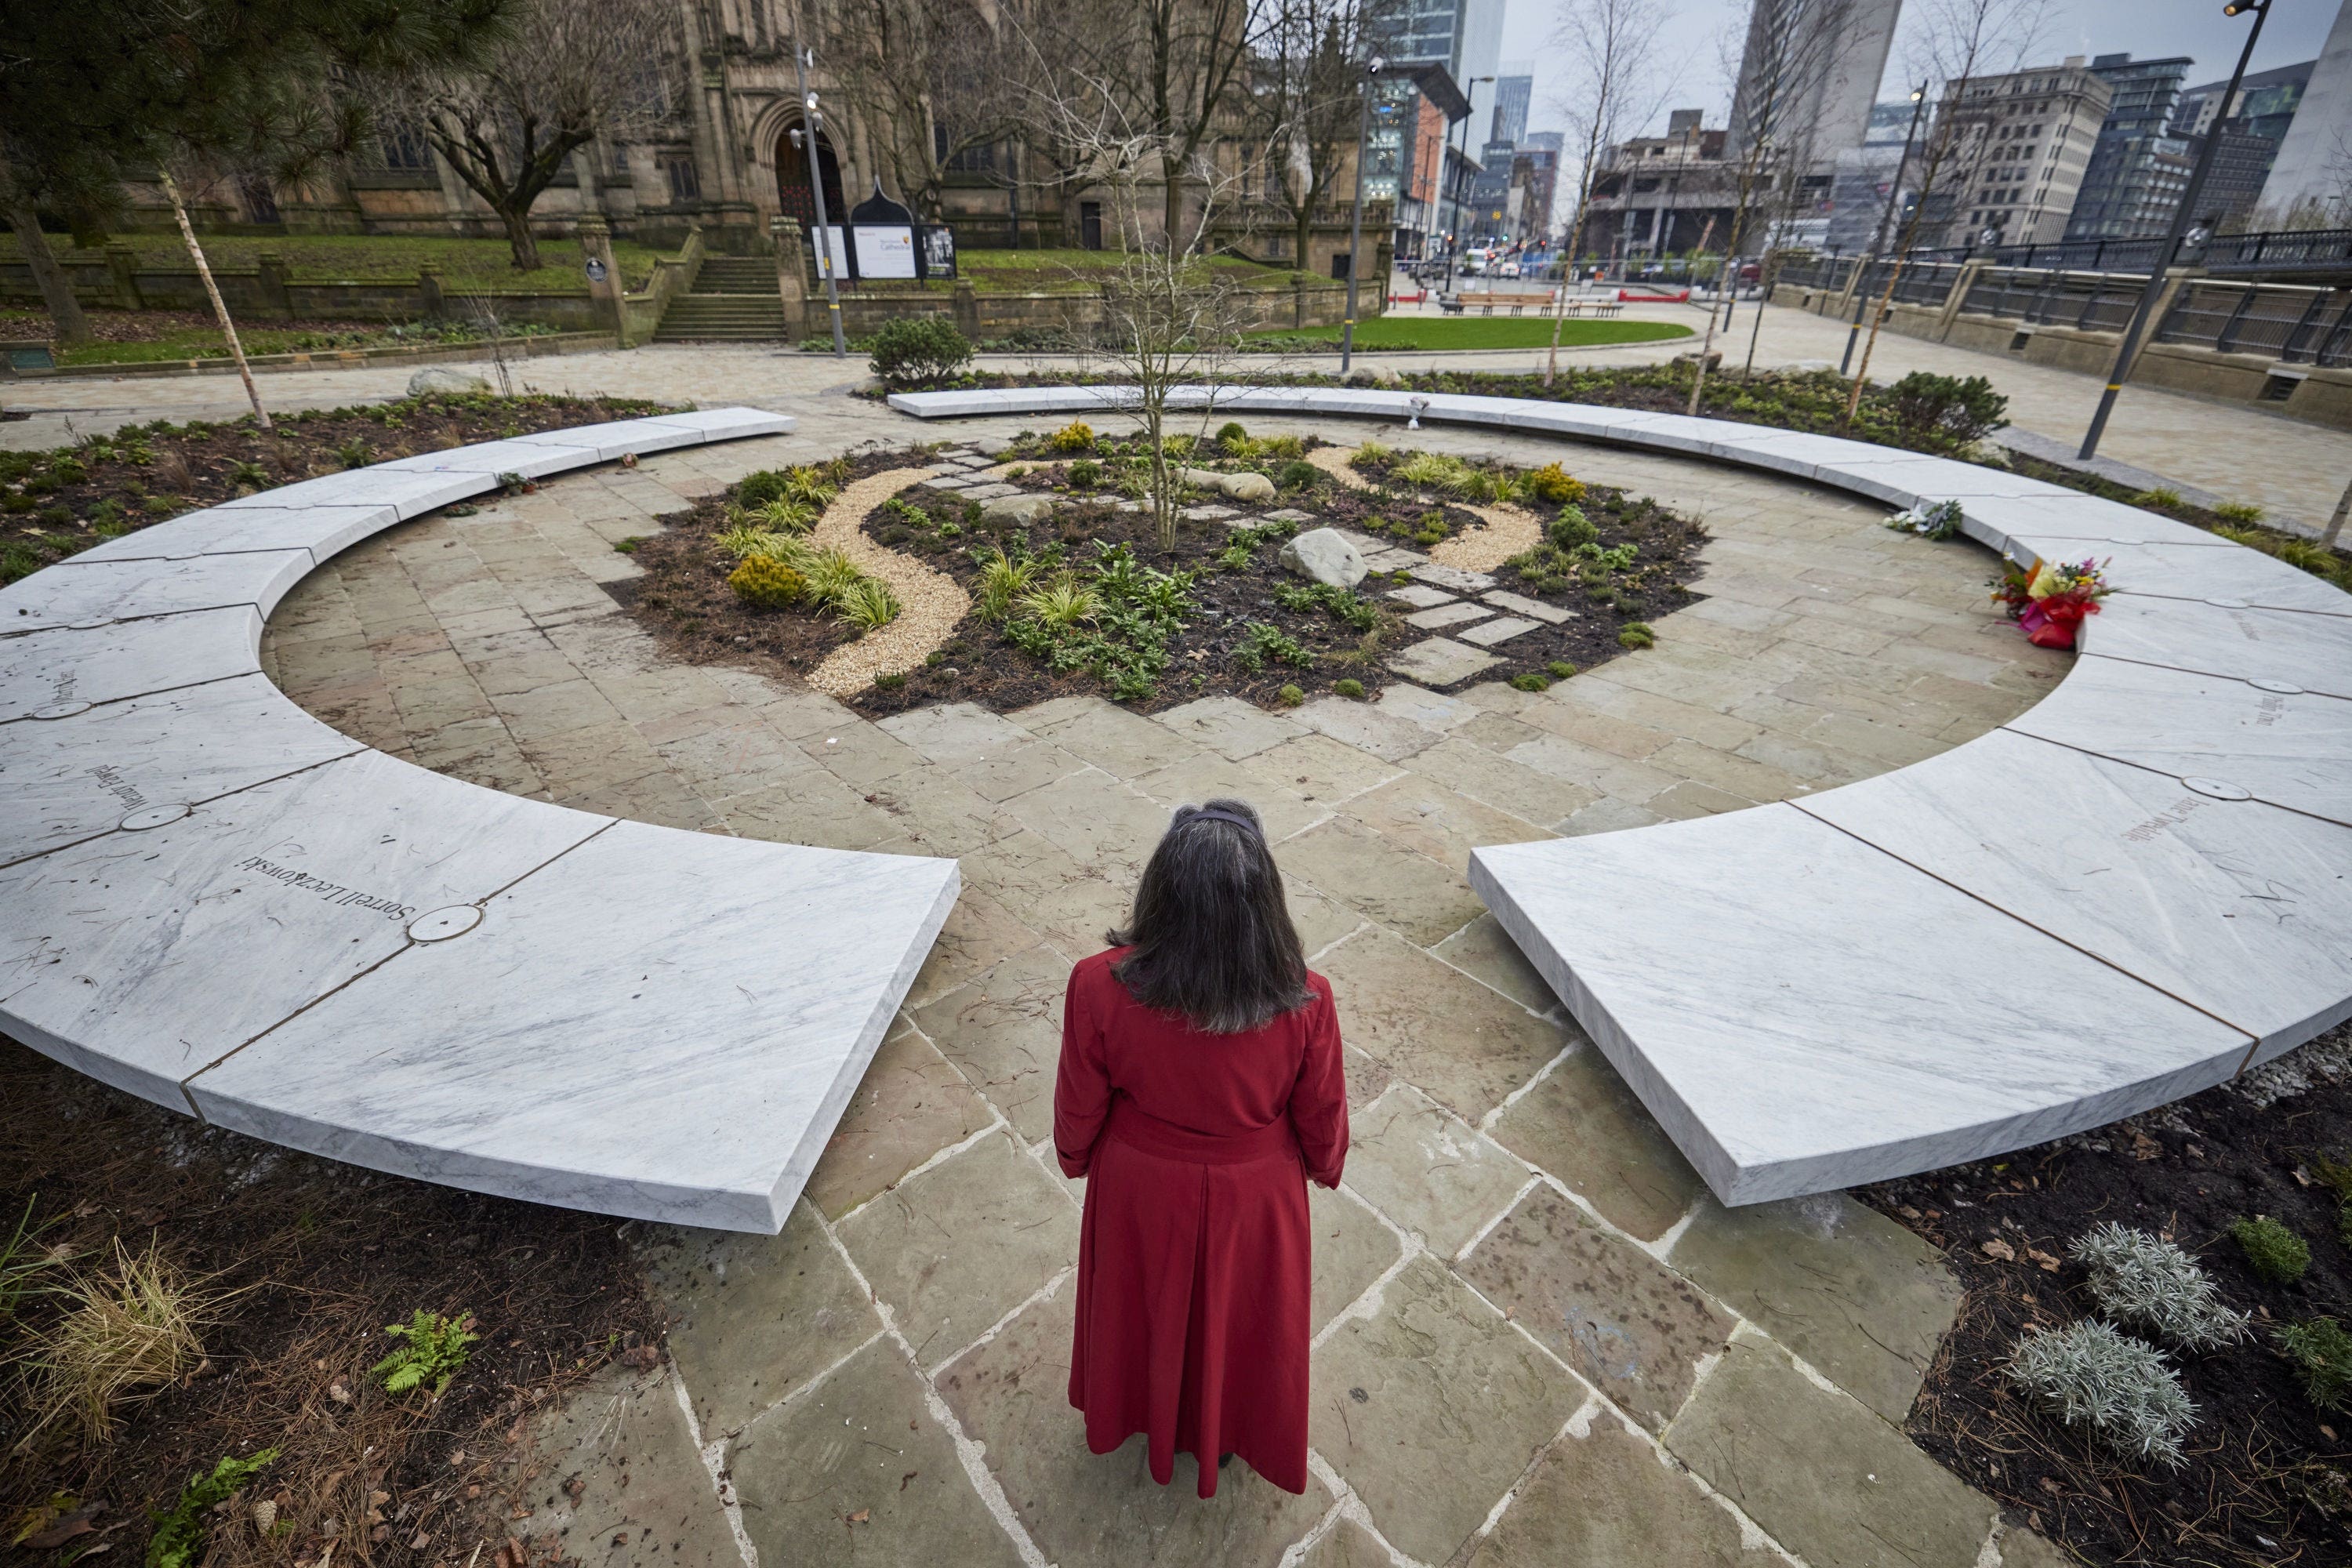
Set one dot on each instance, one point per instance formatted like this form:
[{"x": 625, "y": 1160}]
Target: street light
[
  {"x": 1373, "y": 68},
  {"x": 1885, "y": 223},
  {"x": 2167, "y": 253},
  {"x": 1454, "y": 236},
  {"x": 802, "y": 60}
]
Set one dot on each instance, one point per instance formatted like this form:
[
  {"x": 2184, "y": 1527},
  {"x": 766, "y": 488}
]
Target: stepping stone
[
  {"x": 1501, "y": 631},
  {"x": 1440, "y": 661},
  {"x": 1422, "y": 597},
  {"x": 1394, "y": 560},
  {"x": 990, "y": 491},
  {"x": 1453, "y": 577},
  {"x": 1520, "y": 605},
  {"x": 1292, "y": 514},
  {"x": 1448, "y": 614},
  {"x": 1364, "y": 542},
  {"x": 1206, "y": 513},
  {"x": 991, "y": 445},
  {"x": 949, "y": 482}
]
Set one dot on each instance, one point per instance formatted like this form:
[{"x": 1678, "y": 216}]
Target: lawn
[
  {"x": 465, "y": 264},
  {"x": 1490, "y": 332},
  {"x": 1066, "y": 272},
  {"x": 145, "y": 337}
]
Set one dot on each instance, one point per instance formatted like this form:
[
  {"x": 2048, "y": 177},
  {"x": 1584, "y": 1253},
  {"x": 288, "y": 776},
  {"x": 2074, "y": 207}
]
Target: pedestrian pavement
[{"x": 1539, "y": 1341}]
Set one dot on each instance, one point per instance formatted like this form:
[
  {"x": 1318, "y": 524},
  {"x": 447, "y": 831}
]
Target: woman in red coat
[{"x": 1200, "y": 1090}]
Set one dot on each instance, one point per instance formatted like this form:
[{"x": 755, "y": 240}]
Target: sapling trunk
[{"x": 211, "y": 291}]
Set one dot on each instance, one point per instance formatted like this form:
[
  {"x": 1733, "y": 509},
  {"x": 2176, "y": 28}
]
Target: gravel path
[
  {"x": 1507, "y": 531},
  {"x": 930, "y": 605}
]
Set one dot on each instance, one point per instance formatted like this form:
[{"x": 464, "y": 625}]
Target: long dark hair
[{"x": 1212, "y": 934}]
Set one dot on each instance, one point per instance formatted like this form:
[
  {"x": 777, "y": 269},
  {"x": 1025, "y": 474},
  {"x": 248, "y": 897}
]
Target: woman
[{"x": 1199, "y": 1091}]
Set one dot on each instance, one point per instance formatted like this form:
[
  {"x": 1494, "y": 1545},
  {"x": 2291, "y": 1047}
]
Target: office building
[
  {"x": 1808, "y": 77},
  {"x": 2021, "y": 146},
  {"x": 1512, "y": 95},
  {"x": 2138, "y": 167},
  {"x": 2310, "y": 181}
]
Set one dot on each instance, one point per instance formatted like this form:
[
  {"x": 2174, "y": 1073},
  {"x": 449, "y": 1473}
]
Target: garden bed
[
  {"x": 304, "y": 1262},
  {"x": 2267, "y": 1477},
  {"x": 1086, "y": 599},
  {"x": 57, "y": 503}
]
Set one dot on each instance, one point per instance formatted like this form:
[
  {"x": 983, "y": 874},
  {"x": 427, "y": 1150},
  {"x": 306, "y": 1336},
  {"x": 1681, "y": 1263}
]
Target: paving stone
[
  {"x": 955, "y": 1249},
  {"x": 1348, "y": 1544},
  {"x": 1439, "y": 661},
  {"x": 1395, "y": 559},
  {"x": 1633, "y": 1328},
  {"x": 1319, "y": 769},
  {"x": 1016, "y": 770},
  {"x": 911, "y": 1104},
  {"x": 935, "y": 814},
  {"x": 1049, "y": 892},
  {"x": 1584, "y": 1126},
  {"x": 1427, "y": 1170},
  {"x": 1822, "y": 1475},
  {"x": 1539, "y": 799},
  {"x": 1122, "y": 743},
  {"x": 1437, "y": 1028},
  {"x": 1209, "y": 513},
  {"x": 1352, "y": 1248},
  {"x": 994, "y": 491},
  {"x": 810, "y": 808},
  {"x": 1444, "y": 824},
  {"x": 1534, "y": 609},
  {"x": 1290, "y": 514},
  {"x": 1012, "y": 1395},
  {"x": 1453, "y": 577},
  {"x": 1486, "y": 950},
  {"x": 1426, "y": 708},
  {"x": 1207, "y": 776},
  {"x": 1229, "y": 726},
  {"x": 857, "y": 1471},
  {"x": 1602, "y": 1496},
  {"x": 979, "y": 933},
  {"x": 1433, "y": 1408},
  {"x": 1863, "y": 1299},
  {"x": 752, "y": 1317},
  {"x": 1494, "y": 633},
  {"x": 2020, "y": 1548},
  {"x": 1004, "y": 1031},
  {"x": 955, "y": 732},
  {"x": 1365, "y": 726},
  {"x": 1100, "y": 823},
  {"x": 644, "y": 1494},
  {"x": 1453, "y": 612},
  {"x": 1422, "y": 597},
  {"x": 1411, "y": 894}
]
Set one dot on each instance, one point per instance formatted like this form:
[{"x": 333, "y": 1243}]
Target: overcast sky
[{"x": 2148, "y": 28}]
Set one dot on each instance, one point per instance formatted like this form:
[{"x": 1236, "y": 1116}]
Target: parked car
[{"x": 1507, "y": 270}]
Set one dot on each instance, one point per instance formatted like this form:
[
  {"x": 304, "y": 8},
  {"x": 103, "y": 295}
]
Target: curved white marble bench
[
  {"x": 2131, "y": 892},
  {"x": 210, "y": 899}
]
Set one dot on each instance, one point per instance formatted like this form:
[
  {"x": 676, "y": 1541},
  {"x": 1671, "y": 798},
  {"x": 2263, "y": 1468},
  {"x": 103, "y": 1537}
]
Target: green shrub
[
  {"x": 1085, "y": 474},
  {"x": 1261, "y": 642},
  {"x": 1560, "y": 669},
  {"x": 2321, "y": 1352},
  {"x": 1946, "y": 410},
  {"x": 1531, "y": 681},
  {"x": 179, "y": 1538},
  {"x": 914, "y": 350},
  {"x": 1554, "y": 484},
  {"x": 764, "y": 583},
  {"x": 1290, "y": 697},
  {"x": 2238, "y": 511},
  {"x": 434, "y": 1349},
  {"x": 1635, "y": 634},
  {"x": 1077, "y": 435},
  {"x": 1298, "y": 475},
  {"x": 755, "y": 490},
  {"x": 1573, "y": 529},
  {"x": 1230, "y": 434},
  {"x": 2276, "y": 1253},
  {"x": 1349, "y": 688},
  {"x": 868, "y": 604},
  {"x": 2123, "y": 1393}
]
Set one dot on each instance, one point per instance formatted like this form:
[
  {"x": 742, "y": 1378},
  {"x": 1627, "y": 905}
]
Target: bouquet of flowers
[
  {"x": 2048, "y": 599},
  {"x": 1934, "y": 519}
]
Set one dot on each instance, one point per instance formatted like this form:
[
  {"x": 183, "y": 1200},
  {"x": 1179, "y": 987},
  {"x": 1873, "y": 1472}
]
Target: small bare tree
[
  {"x": 1304, "y": 96},
  {"x": 1957, "y": 41},
  {"x": 931, "y": 82},
  {"x": 1612, "y": 85},
  {"x": 563, "y": 73}
]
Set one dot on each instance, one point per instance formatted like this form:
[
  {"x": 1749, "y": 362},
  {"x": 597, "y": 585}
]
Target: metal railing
[
  {"x": 2090, "y": 302},
  {"x": 2277, "y": 250},
  {"x": 2297, "y": 325}
]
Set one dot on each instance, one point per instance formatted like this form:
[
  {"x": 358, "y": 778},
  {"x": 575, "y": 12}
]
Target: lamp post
[
  {"x": 1454, "y": 236},
  {"x": 1885, "y": 223},
  {"x": 2170, "y": 250},
  {"x": 802, "y": 60},
  {"x": 1356, "y": 223}
]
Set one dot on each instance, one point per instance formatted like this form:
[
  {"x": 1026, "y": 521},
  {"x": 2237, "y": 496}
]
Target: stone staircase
[{"x": 734, "y": 299}]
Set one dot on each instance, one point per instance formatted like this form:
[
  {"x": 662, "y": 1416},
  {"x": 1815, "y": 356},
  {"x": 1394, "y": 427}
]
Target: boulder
[
  {"x": 1201, "y": 479},
  {"x": 991, "y": 445},
  {"x": 1020, "y": 509},
  {"x": 1324, "y": 555},
  {"x": 441, "y": 378},
  {"x": 1248, "y": 487}
]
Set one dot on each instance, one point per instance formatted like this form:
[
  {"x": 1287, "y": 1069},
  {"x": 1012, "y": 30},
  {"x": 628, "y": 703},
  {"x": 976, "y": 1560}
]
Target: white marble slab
[
  {"x": 2290, "y": 748},
  {"x": 730, "y": 423},
  {"x": 216, "y": 531},
  {"x": 88, "y": 593},
  {"x": 141, "y": 956},
  {"x": 410, "y": 492},
  {"x": 659, "y": 1024},
  {"x": 532, "y": 459},
  {"x": 2070, "y": 515},
  {"x": 65, "y": 780},
  {"x": 41, "y": 671},
  {"x": 2191, "y": 572},
  {"x": 2242, "y": 908},
  {"x": 2314, "y": 652},
  {"x": 1802, "y": 1012}
]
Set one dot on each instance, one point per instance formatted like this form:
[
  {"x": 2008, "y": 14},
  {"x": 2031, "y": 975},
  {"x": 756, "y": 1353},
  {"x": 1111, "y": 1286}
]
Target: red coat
[{"x": 1195, "y": 1261}]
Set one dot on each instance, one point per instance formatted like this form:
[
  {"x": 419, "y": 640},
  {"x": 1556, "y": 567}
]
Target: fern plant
[{"x": 434, "y": 1349}]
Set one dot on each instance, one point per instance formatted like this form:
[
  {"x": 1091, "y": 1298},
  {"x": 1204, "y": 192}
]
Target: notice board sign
[
  {"x": 884, "y": 250},
  {"x": 938, "y": 250}
]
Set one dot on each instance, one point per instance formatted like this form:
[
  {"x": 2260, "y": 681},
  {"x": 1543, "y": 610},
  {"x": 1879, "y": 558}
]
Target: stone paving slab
[
  {"x": 642, "y": 1493},
  {"x": 1439, "y": 661},
  {"x": 1497, "y": 632}
]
